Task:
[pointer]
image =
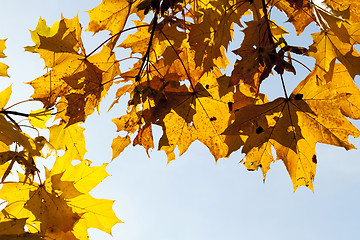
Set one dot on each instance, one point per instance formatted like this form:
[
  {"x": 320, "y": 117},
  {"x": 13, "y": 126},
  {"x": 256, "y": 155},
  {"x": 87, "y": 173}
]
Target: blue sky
[{"x": 192, "y": 197}]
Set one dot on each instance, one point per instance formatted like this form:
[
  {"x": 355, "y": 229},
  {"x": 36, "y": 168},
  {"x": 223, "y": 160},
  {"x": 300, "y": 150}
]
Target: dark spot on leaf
[
  {"x": 259, "y": 130},
  {"x": 212, "y": 118},
  {"x": 298, "y": 96},
  {"x": 207, "y": 86},
  {"x": 314, "y": 159},
  {"x": 230, "y": 105}
]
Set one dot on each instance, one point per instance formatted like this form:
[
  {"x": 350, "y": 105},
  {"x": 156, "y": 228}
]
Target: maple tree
[{"x": 178, "y": 82}]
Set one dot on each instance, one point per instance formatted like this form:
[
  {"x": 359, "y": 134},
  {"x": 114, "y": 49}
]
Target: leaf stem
[
  {"x": 6, "y": 112},
  {"x": 147, "y": 53},
  {"x": 302, "y": 64},
  {"x": 107, "y": 40},
  {"x": 283, "y": 85},
  {"x": 270, "y": 36},
  {"x": 28, "y": 100}
]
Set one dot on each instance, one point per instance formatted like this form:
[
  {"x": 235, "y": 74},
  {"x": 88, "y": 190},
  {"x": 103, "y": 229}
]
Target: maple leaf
[
  {"x": 313, "y": 113},
  {"x": 327, "y": 46},
  {"x": 83, "y": 177},
  {"x": 95, "y": 213},
  {"x": 198, "y": 114},
  {"x": 298, "y": 13},
  {"x": 70, "y": 139},
  {"x": 39, "y": 204},
  {"x": 177, "y": 131},
  {"x": 111, "y": 15},
  {"x": 336, "y": 42},
  {"x": 76, "y": 83},
  {"x": 283, "y": 132},
  {"x": 42, "y": 29}
]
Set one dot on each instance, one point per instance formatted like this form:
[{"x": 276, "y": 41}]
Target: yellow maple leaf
[
  {"x": 39, "y": 204},
  {"x": 314, "y": 113},
  {"x": 200, "y": 113},
  {"x": 299, "y": 15},
  {"x": 177, "y": 131},
  {"x": 42, "y": 29},
  {"x": 62, "y": 37},
  {"x": 111, "y": 15},
  {"x": 95, "y": 213},
  {"x": 327, "y": 47},
  {"x": 336, "y": 41},
  {"x": 76, "y": 83},
  {"x": 70, "y": 139},
  {"x": 83, "y": 177}
]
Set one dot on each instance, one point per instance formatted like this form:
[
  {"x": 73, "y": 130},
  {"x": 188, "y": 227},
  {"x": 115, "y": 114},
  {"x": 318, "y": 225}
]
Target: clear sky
[{"x": 192, "y": 197}]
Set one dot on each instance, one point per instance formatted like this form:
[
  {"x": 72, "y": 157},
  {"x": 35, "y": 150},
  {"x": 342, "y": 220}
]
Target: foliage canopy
[{"x": 178, "y": 82}]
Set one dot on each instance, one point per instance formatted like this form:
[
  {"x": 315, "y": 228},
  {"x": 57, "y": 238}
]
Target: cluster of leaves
[
  {"x": 178, "y": 83},
  {"x": 59, "y": 206}
]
